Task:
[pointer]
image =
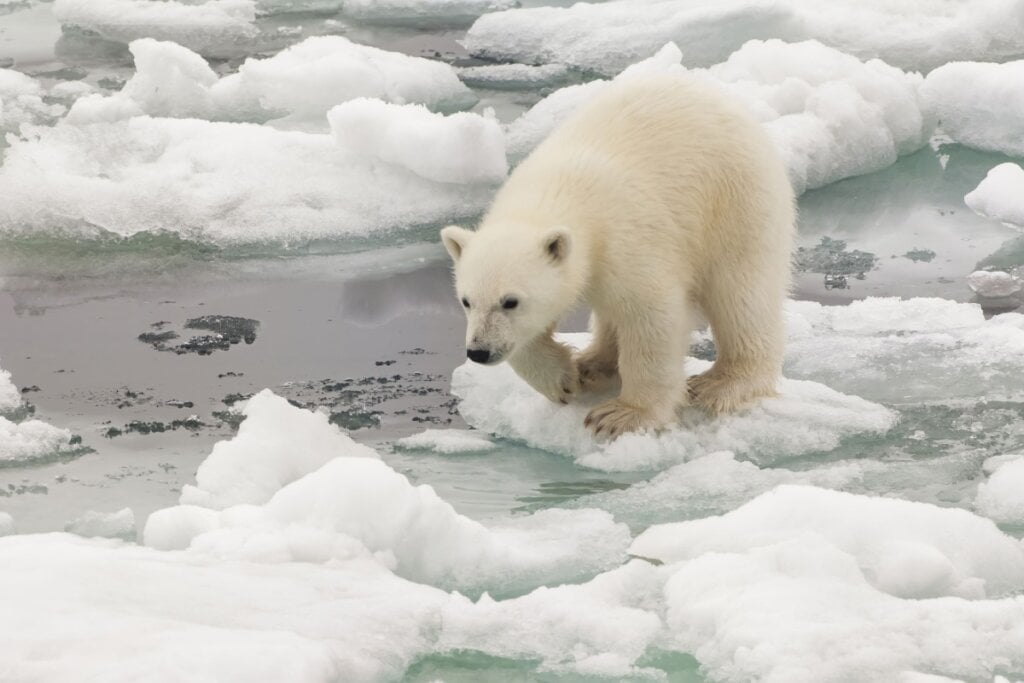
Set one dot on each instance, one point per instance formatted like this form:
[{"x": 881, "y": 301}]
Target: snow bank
[
  {"x": 606, "y": 37},
  {"x": 1000, "y": 196},
  {"x": 980, "y": 105},
  {"x": 92, "y": 524},
  {"x": 276, "y": 444},
  {"x": 447, "y": 441},
  {"x": 805, "y": 418},
  {"x": 423, "y": 13},
  {"x": 323, "y": 504},
  {"x": 227, "y": 183},
  {"x": 294, "y": 88},
  {"x": 214, "y": 27},
  {"x": 1002, "y": 497},
  {"x": 831, "y": 115}
]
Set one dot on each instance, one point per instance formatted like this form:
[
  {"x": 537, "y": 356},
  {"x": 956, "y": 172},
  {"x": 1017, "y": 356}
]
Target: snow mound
[
  {"x": 214, "y": 27},
  {"x": 831, "y": 115},
  {"x": 605, "y": 37},
  {"x": 21, "y": 101},
  {"x": 805, "y": 418},
  {"x": 1001, "y": 498},
  {"x": 295, "y": 88},
  {"x": 92, "y": 524},
  {"x": 226, "y": 183},
  {"x": 276, "y": 444},
  {"x": 325, "y": 505},
  {"x": 979, "y": 105},
  {"x": 1000, "y": 196},
  {"x": 447, "y": 441},
  {"x": 423, "y": 13}
]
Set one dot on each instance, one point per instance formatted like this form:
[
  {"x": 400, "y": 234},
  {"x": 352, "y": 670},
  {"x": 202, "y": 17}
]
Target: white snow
[
  {"x": 831, "y": 115},
  {"x": 214, "y": 27},
  {"x": 1000, "y": 196},
  {"x": 422, "y": 13},
  {"x": 93, "y": 524},
  {"x": 1002, "y": 497},
  {"x": 293, "y": 89},
  {"x": 606, "y": 37},
  {"x": 227, "y": 183},
  {"x": 980, "y": 105},
  {"x": 21, "y": 101},
  {"x": 805, "y": 418},
  {"x": 447, "y": 441}
]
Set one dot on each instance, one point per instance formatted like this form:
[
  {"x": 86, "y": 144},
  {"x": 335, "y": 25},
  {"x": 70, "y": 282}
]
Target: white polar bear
[{"x": 659, "y": 199}]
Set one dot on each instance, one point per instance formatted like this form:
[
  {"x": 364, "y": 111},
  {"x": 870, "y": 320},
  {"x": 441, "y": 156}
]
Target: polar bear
[{"x": 658, "y": 200}]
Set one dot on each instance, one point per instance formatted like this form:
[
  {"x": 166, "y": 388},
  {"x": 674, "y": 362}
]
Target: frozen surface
[
  {"x": 1000, "y": 195},
  {"x": 980, "y": 105},
  {"x": 295, "y": 88},
  {"x": 831, "y": 115},
  {"x": 228, "y": 183},
  {"x": 448, "y": 441},
  {"x": 214, "y": 27},
  {"x": 1002, "y": 497},
  {"x": 606, "y": 37},
  {"x": 423, "y": 13},
  {"x": 806, "y": 417},
  {"x": 92, "y": 524}
]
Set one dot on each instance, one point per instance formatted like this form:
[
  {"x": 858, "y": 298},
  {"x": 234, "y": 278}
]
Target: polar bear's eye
[
  {"x": 465, "y": 302},
  {"x": 510, "y": 303}
]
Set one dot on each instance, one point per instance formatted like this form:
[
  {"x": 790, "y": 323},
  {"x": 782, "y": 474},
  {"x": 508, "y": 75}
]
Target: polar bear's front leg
[
  {"x": 548, "y": 367},
  {"x": 652, "y": 350},
  {"x": 598, "y": 364}
]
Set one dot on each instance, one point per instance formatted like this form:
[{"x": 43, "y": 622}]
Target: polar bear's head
[{"x": 513, "y": 289}]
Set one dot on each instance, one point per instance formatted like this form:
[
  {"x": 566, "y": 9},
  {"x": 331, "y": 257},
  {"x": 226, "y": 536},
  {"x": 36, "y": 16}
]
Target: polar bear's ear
[
  {"x": 557, "y": 243},
  {"x": 455, "y": 240}
]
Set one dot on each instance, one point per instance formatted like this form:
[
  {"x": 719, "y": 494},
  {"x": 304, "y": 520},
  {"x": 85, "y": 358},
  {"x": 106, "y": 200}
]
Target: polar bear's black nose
[{"x": 478, "y": 355}]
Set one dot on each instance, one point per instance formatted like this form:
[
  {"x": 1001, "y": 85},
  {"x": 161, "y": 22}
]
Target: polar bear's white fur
[{"x": 659, "y": 199}]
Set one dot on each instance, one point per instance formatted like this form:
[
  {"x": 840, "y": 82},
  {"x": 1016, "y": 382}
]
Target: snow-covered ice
[
  {"x": 27, "y": 440},
  {"x": 93, "y": 524},
  {"x": 213, "y": 27},
  {"x": 831, "y": 115},
  {"x": 516, "y": 76},
  {"x": 979, "y": 104},
  {"x": 606, "y": 37},
  {"x": 22, "y": 101},
  {"x": 994, "y": 284},
  {"x": 293, "y": 89},
  {"x": 1001, "y": 497},
  {"x": 447, "y": 441},
  {"x": 1000, "y": 196},
  {"x": 10, "y": 397}
]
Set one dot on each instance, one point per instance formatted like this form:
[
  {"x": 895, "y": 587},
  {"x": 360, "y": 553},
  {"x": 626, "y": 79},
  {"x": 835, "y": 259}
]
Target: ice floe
[
  {"x": 295, "y": 88},
  {"x": 831, "y": 115},
  {"x": 22, "y": 101},
  {"x": 25, "y": 440},
  {"x": 447, "y": 441},
  {"x": 422, "y": 13},
  {"x": 1001, "y": 497},
  {"x": 606, "y": 37},
  {"x": 93, "y": 524},
  {"x": 1000, "y": 196},
  {"x": 980, "y": 105},
  {"x": 213, "y": 27}
]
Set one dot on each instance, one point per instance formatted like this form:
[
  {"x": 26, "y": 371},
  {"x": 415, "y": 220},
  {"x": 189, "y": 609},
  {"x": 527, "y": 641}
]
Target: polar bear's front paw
[
  {"x": 613, "y": 418},
  {"x": 559, "y": 387},
  {"x": 719, "y": 395},
  {"x": 596, "y": 373}
]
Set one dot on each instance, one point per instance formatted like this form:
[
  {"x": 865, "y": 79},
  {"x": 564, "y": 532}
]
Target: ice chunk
[
  {"x": 214, "y": 27},
  {"x": 225, "y": 183},
  {"x": 805, "y": 418},
  {"x": 831, "y": 115},
  {"x": 120, "y": 524},
  {"x": 448, "y": 441},
  {"x": 906, "y": 549},
  {"x": 605, "y": 37},
  {"x": 980, "y": 105},
  {"x": 994, "y": 284},
  {"x": 295, "y": 88},
  {"x": 276, "y": 444},
  {"x": 32, "y": 440},
  {"x": 516, "y": 76},
  {"x": 1002, "y": 497},
  {"x": 1000, "y": 196},
  {"x": 6, "y": 524},
  {"x": 460, "y": 148},
  {"x": 10, "y": 397},
  {"x": 21, "y": 101},
  {"x": 423, "y": 13}
]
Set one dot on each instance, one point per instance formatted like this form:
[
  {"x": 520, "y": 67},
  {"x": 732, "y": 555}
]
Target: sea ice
[
  {"x": 27, "y": 440},
  {"x": 1000, "y": 196},
  {"x": 831, "y": 115},
  {"x": 93, "y": 524},
  {"x": 980, "y": 105},
  {"x": 516, "y": 76},
  {"x": 605, "y": 37},
  {"x": 422, "y": 13},
  {"x": 213, "y": 27},
  {"x": 447, "y": 441},
  {"x": 10, "y": 397},
  {"x": 994, "y": 284},
  {"x": 22, "y": 101},
  {"x": 294, "y": 89},
  {"x": 805, "y": 418},
  {"x": 1002, "y": 497}
]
